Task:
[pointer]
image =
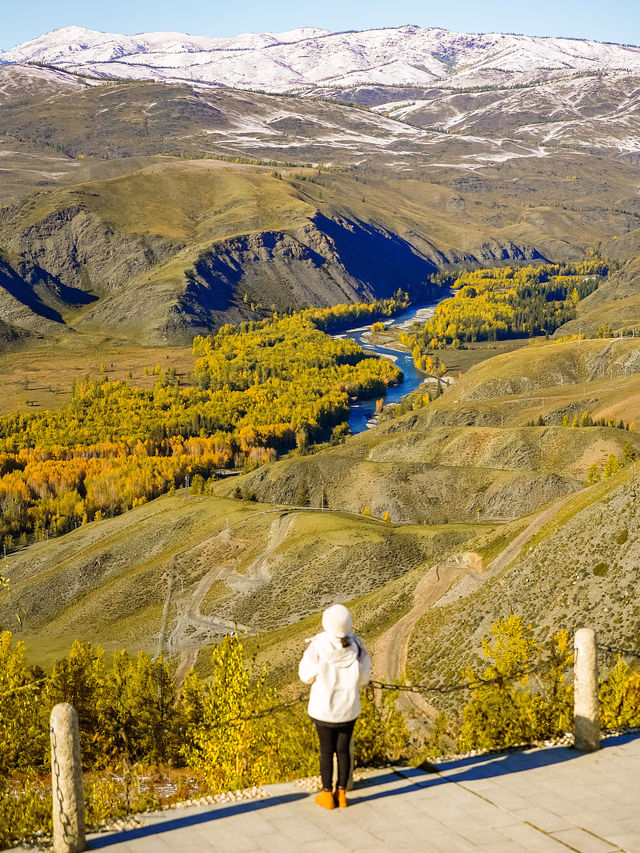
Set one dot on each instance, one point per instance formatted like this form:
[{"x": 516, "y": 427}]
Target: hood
[{"x": 331, "y": 650}]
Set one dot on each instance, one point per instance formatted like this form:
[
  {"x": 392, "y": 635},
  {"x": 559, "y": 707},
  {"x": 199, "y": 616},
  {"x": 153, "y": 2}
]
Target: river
[{"x": 363, "y": 412}]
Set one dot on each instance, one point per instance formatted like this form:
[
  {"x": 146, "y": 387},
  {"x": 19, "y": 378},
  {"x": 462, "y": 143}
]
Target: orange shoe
[
  {"x": 340, "y": 798},
  {"x": 325, "y": 799}
]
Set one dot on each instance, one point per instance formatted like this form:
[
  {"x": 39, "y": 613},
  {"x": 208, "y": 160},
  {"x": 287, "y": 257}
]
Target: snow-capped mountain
[{"x": 310, "y": 59}]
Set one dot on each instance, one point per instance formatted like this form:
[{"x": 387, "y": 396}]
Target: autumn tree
[
  {"x": 509, "y": 705},
  {"x": 22, "y": 736},
  {"x": 236, "y": 745}
]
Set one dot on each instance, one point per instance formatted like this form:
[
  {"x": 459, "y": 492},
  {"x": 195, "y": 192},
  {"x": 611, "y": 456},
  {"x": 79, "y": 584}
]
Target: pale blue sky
[{"x": 615, "y": 20}]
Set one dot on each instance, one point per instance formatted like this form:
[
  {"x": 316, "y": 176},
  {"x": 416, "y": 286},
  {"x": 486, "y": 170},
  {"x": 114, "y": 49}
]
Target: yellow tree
[
  {"x": 80, "y": 680},
  {"x": 22, "y": 737},
  {"x": 237, "y": 741}
]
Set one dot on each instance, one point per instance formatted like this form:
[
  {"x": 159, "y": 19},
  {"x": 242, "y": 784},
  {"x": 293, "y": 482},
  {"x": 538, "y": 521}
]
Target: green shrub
[
  {"x": 25, "y": 811},
  {"x": 622, "y": 537},
  {"x": 233, "y": 731},
  {"x": 620, "y": 697},
  {"x": 505, "y": 711},
  {"x": 380, "y": 734}
]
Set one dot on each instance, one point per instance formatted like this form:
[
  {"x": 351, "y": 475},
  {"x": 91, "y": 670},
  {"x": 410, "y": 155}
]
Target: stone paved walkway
[{"x": 540, "y": 800}]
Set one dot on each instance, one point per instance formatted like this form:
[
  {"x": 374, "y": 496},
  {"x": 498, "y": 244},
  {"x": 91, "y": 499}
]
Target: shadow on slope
[
  {"x": 324, "y": 262},
  {"x": 40, "y": 292},
  {"x": 375, "y": 255}
]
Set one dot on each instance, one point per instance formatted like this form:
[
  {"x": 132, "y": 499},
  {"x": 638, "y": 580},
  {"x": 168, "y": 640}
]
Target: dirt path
[
  {"x": 516, "y": 545},
  {"x": 457, "y": 577},
  {"x": 392, "y": 648},
  {"x": 192, "y": 628},
  {"x": 393, "y": 645}
]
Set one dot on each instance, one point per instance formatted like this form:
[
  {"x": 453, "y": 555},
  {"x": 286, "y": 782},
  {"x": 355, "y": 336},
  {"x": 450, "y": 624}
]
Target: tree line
[
  {"x": 507, "y": 302},
  {"x": 233, "y": 730},
  {"x": 261, "y": 387}
]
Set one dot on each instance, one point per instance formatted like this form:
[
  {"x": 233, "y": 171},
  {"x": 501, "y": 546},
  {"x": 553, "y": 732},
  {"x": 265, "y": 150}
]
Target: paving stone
[
  {"x": 504, "y": 846},
  {"x": 628, "y": 843},
  {"x": 544, "y": 819},
  {"x": 612, "y": 809},
  {"x": 352, "y": 834},
  {"x": 540, "y": 800},
  {"x": 507, "y": 800},
  {"x": 481, "y": 785},
  {"x": 554, "y": 802},
  {"x": 598, "y": 824},
  {"x": 497, "y": 819},
  {"x": 631, "y": 823},
  {"x": 451, "y": 841},
  {"x": 326, "y": 846},
  {"x": 477, "y": 835},
  {"x": 584, "y": 841},
  {"x": 531, "y": 839}
]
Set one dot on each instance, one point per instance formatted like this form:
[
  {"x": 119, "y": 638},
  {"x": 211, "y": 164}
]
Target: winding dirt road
[
  {"x": 392, "y": 648},
  {"x": 193, "y": 629}
]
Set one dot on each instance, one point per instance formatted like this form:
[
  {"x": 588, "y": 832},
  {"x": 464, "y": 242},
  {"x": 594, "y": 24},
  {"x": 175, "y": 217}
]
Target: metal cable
[{"x": 634, "y": 653}]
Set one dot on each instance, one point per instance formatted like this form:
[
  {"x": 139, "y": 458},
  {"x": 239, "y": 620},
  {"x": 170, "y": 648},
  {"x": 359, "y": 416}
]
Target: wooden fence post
[
  {"x": 586, "y": 713},
  {"x": 66, "y": 781}
]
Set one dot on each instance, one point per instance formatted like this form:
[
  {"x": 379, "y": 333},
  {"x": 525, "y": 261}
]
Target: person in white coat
[{"x": 336, "y": 665}]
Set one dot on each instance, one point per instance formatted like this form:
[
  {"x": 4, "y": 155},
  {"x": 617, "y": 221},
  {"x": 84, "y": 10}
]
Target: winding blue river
[{"x": 363, "y": 412}]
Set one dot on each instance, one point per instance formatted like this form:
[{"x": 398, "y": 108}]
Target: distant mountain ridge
[
  {"x": 508, "y": 148},
  {"x": 310, "y": 59}
]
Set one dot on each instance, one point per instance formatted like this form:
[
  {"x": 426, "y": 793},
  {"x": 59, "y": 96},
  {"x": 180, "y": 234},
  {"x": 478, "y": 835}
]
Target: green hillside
[
  {"x": 138, "y": 215},
  {"x": 418, "y": 471},
  {"x": 579, "y": 570},
  {"x": 458, "y": 487},
  {"x": 108, "y": 582}
]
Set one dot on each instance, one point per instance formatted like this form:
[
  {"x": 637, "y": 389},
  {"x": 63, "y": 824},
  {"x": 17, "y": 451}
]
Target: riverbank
[{"x": 363, "y": 412}]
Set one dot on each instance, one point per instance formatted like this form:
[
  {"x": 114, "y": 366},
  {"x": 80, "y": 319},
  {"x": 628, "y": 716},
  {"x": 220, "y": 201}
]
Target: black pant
[{"x": 334, "y": 738}]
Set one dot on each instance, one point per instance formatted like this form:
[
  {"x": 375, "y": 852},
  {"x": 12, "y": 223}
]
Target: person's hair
[{"x": 345, "y": 641}]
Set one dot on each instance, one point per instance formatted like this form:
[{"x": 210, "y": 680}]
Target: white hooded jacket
[{"x": 336, "y": 674}]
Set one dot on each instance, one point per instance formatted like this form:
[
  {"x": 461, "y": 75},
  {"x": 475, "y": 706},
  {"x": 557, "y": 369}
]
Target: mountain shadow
[
  {"x": 372, "y": 255},
  {"x": 41, "y": 292}
]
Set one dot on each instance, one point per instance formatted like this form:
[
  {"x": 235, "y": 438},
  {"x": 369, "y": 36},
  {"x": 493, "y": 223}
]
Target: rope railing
[
  {"x": 267, "y": 712},
  {"x": 458, "y": 686},
  {"x": 613, "y": 650},
  {"x": 586, "y": 715},
  {"x": 454, "y": 687},
  {"x": 375, "y": 684}
]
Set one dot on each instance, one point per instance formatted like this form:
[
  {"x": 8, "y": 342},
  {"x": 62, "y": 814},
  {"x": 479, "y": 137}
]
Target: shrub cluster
[{"x": 233, "y": 731}]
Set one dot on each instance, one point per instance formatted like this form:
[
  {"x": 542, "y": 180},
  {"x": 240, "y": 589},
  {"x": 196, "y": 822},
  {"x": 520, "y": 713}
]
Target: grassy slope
[
  {"x": 107, "y": 582},
  {"x": 549, "y": 379},
  {"x": 334, "y": 556},
  {"x": 193, "y": 200},
  {"x": 552, "y": 583},
  {"x": 581, "y": 569},
  {"x": 418, "y": 471},
  {"x": 44, "y": 379}
]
